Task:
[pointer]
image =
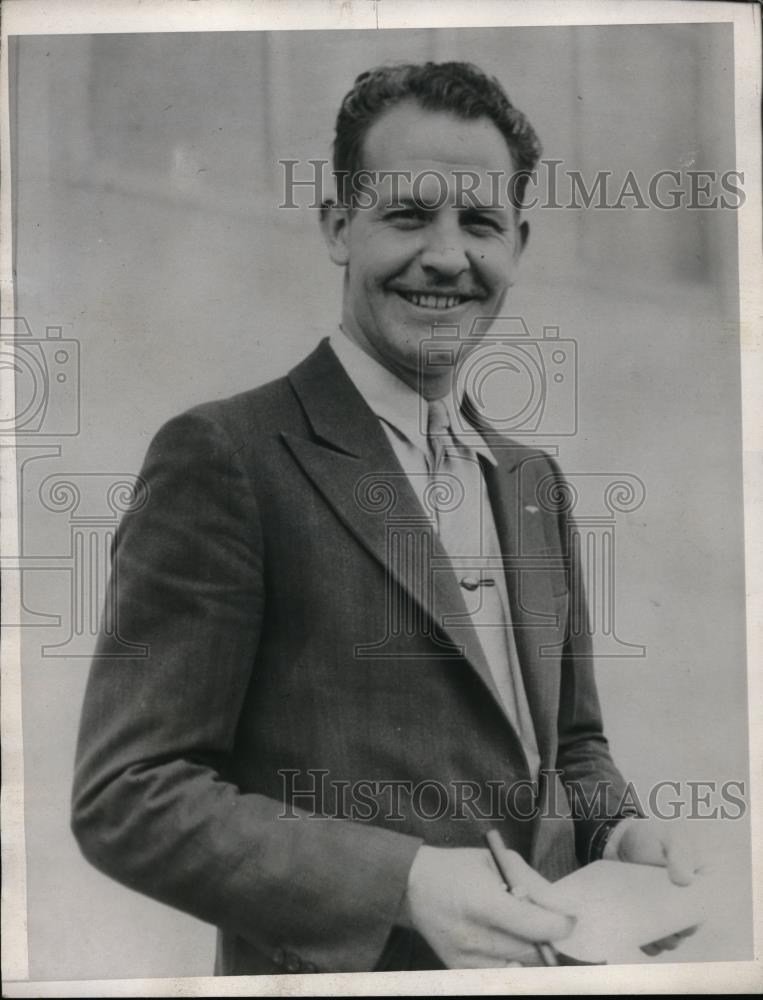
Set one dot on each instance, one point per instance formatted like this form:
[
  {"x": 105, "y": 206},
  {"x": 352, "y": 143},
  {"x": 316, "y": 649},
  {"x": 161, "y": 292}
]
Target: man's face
[{"x": 429, "y": 255}]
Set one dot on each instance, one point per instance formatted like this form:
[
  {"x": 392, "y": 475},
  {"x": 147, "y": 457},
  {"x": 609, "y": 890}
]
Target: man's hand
[
  {"x": 666, "y": 844},
  {"x": 457, "y": 901}
]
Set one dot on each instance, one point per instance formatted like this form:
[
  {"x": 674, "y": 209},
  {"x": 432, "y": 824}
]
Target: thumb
[{"x": 526, "y": 883}]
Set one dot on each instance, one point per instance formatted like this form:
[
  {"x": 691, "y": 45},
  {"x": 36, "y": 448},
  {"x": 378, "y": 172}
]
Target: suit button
[
  {"x": 293, "y": 962},
  {"x": 279, "y": 956}
]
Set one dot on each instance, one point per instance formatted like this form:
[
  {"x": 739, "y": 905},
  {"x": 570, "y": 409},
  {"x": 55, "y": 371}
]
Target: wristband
[{"x": 600, "y": 837}]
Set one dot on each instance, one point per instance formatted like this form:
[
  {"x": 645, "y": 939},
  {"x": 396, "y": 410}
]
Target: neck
[{"x": 430, "y": 386}]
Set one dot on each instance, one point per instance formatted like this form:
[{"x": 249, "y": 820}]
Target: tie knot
[
  {"x": 437, "y": 431},
  {"x": 439, "y": 420}
]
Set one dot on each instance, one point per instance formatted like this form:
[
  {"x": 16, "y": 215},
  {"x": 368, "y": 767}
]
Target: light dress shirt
[{"x": 403, "y": 414}]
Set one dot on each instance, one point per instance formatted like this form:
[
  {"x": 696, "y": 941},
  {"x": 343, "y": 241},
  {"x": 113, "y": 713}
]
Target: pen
[{"x": 497, "y": 849}]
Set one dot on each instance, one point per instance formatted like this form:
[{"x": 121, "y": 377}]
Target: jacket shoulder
[{"x": 242, "y": 418}]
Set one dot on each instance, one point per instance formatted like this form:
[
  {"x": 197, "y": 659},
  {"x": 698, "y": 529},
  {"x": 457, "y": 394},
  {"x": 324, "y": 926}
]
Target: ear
[{"x": 335, "y": 222}]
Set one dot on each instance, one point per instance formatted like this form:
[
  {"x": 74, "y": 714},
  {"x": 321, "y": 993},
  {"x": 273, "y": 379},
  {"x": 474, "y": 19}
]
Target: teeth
[{"x": 433, "y": 301}]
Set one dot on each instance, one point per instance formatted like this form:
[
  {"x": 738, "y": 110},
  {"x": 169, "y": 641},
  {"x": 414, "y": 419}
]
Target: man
[{"x": 363, "y": 650}]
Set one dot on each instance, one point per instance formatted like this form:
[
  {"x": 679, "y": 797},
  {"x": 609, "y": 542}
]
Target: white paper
[{"x": 621, "y": 907}]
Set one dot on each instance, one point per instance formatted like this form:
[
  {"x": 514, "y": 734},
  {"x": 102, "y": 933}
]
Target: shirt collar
[{"x": 397, "y": 404}]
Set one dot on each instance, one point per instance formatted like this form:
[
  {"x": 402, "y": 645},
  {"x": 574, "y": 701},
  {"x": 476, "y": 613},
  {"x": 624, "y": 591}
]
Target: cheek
[
  {"x": 495, "y": 266},
  {"x": 386, "y": 255}
]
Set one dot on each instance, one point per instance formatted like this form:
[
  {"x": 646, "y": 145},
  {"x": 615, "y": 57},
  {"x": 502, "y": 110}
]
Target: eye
[
  {"x": 482, "y": 222},
  {"x": 406, "y": 218}
]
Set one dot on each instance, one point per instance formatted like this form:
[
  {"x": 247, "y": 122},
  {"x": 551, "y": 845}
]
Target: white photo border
[{"x": 28, "y": 17}]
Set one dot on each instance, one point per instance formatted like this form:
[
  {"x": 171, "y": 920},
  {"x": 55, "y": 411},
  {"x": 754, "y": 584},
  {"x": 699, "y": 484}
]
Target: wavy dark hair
[{"x": 457, "y": 87}]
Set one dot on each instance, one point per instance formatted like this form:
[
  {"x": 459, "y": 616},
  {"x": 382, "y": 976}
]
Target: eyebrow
[
  {"x": 485, "y": 209},
  {"x": 408, "y": 201}
]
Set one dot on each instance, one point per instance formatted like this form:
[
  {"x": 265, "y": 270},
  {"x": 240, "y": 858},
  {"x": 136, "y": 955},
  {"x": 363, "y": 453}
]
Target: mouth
[{"x": 440, "y": 303}]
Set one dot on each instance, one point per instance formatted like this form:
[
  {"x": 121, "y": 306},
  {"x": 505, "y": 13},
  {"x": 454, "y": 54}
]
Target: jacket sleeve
[
  {"x": 595, "y": 787},
  {"x": 150, "y": 806}
]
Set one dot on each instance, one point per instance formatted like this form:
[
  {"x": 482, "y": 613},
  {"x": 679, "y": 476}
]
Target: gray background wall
[{"x": 146, "y": 188}]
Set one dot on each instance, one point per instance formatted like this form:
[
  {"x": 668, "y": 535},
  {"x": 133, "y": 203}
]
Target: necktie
[{"x": 467, "y": 531}]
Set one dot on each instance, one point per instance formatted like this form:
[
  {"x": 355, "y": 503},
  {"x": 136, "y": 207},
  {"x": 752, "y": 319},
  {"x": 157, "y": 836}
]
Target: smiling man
[
  {"x": 429, "y": 248},
  {"x": 351, "y": 675}
]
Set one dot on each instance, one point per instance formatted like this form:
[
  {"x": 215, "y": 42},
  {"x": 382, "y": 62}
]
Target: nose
[{"x": 444, "y": 253}]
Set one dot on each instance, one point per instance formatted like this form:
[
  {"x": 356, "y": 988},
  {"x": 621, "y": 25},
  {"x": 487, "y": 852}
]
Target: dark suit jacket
[{"x": 260, "y": 563}]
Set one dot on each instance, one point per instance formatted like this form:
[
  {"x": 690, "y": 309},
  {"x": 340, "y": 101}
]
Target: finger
[
  {"x": 491, "y": 948},
  {"x": 518, "y": 959},
  {"x": 668, "y": 943},
  {"x": 556, "y": 898},
  {"x": 650, "y": 949},
  {"x": 475, "y": 960},
  {"x": 531, "y": 922},
  {"x": 489, "y": 959},
  {"x": 681, "y": 863},
  {"x": 527, "y": 957}
]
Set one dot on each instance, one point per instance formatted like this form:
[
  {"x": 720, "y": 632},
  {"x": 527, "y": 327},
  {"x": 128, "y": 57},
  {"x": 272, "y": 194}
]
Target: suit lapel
[
  {"x": 521, "y": 537},
  {"x": 353, "y": 466}
]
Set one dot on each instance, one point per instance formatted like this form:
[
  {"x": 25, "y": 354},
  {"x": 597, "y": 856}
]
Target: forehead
[{"x": 409, "y": 136}]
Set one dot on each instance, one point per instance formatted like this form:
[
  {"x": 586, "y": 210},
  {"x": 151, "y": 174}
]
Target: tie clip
[{"x": 473, "y": 582}]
